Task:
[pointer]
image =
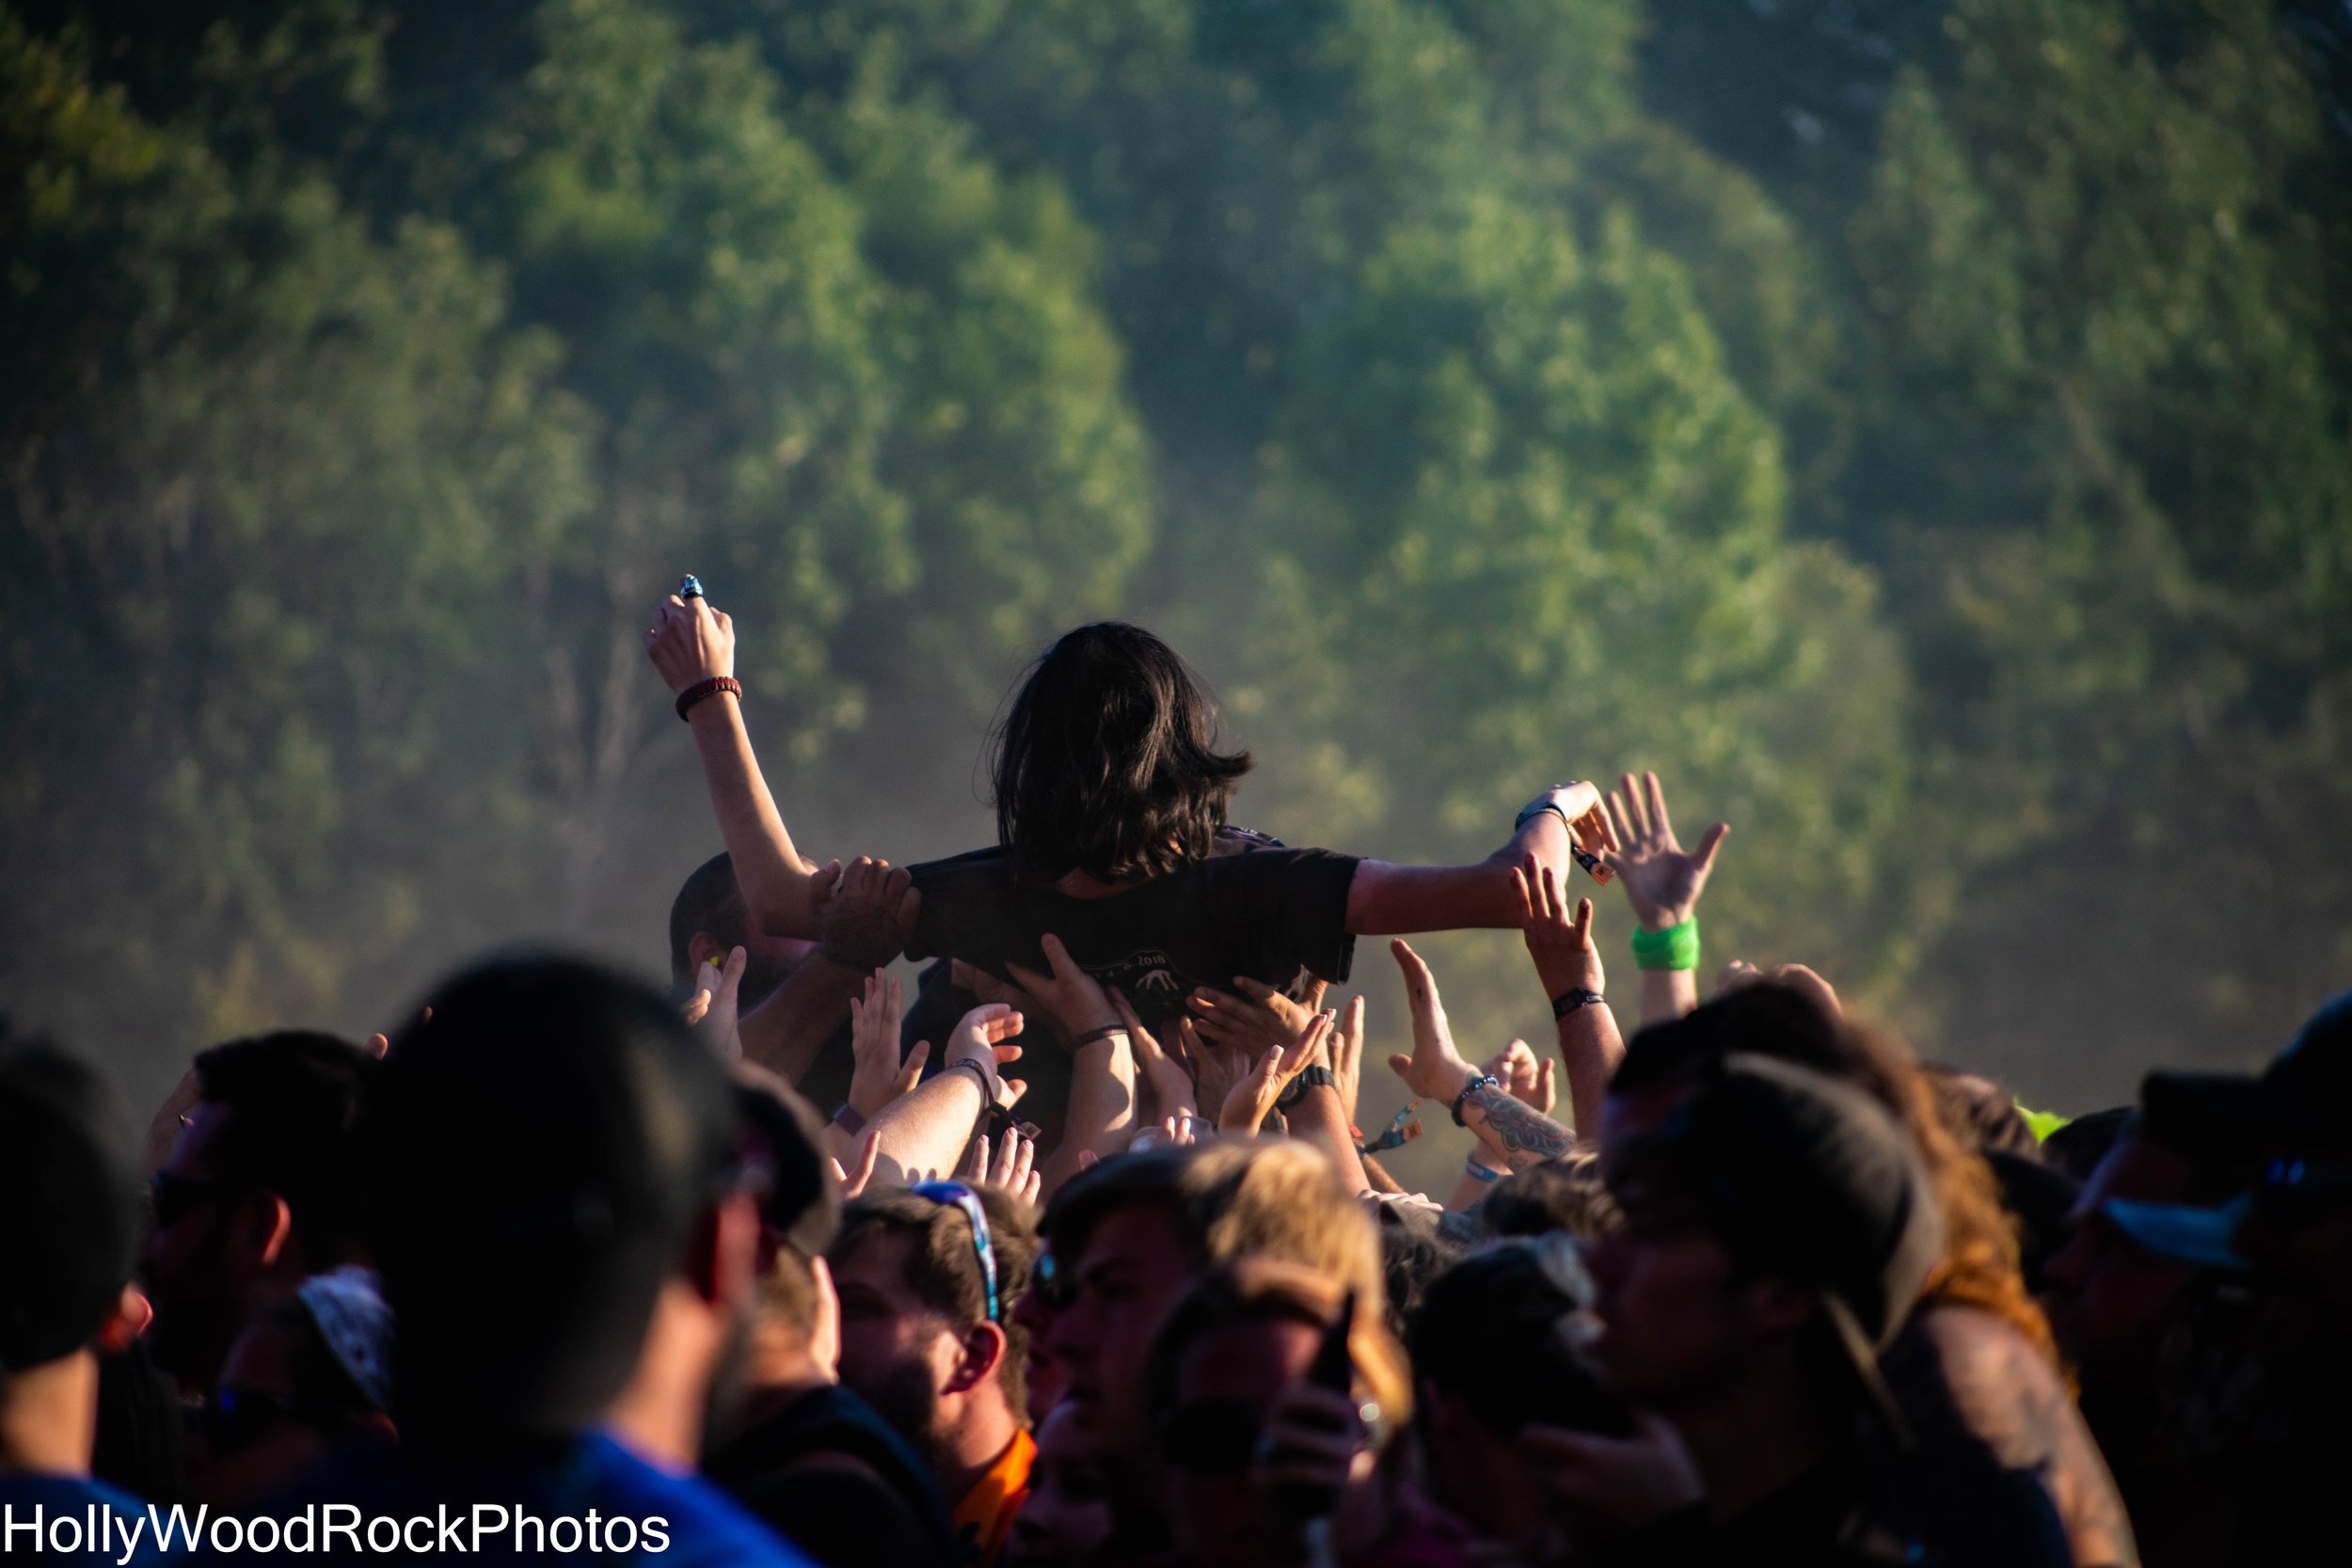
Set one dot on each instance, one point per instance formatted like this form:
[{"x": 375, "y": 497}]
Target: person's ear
[
  {"x": 132, "y": 1313},
  {"x": 978, "y": 1354},
  {"x": 824, "y": 1331},
  {"x": 700, "y": 949},
  {"x": 264, "y": 1228}
]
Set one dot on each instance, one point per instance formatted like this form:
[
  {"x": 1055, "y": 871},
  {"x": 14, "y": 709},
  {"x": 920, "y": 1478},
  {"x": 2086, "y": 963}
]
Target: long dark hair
[{"x": 1107, "y": 762}]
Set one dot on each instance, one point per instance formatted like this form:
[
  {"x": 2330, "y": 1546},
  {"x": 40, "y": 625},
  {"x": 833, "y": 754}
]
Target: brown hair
[
  {"x": 1266, "y": 1198},
  {"x": 943, "y": 1266},
  {"x": 1980, "y": 1265},
  {"x": 1267, "y": 1290}
]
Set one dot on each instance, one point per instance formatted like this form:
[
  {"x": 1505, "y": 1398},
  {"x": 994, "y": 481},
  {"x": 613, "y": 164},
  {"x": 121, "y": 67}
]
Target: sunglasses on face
[
  {"x": 1212, "y": 1437},
  {"x": 1050, "y": 1284}
]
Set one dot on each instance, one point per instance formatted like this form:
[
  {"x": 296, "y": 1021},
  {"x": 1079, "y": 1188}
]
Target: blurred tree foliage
[{"x": 1920, "y": 433}]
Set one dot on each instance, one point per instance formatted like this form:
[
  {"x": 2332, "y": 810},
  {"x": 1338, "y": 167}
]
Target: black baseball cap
[
  {"x": 2306, "y": 1092},
  {"x": 1806, "y": 1178},
  {"x": 69, "y": 1205}
]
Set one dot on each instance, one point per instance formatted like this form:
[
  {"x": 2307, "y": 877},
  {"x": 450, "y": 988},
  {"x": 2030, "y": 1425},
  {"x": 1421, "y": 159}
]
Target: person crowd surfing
[{"x": 1078, "y": 1256}]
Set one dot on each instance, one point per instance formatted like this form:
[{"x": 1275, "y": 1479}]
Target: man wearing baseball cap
[{"x": 1778, "y": 1229}]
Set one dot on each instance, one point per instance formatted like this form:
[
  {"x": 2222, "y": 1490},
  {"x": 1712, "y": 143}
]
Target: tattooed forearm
[{"x": 1527, "y": 1136}]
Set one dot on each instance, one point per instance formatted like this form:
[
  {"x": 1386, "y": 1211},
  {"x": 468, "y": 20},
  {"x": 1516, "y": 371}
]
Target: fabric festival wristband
[
  {"x": 1574, "y": 997},
  {"x": 1105, "y": 1032},
  {"x": 848, "y": 1119},
  {"x": 1675, "y": 947},
  {"x": 1476, "y": 1172},
  {"x": 980, "y": 1075}
]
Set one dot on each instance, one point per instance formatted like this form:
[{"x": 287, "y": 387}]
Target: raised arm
[
  {"x": 1569, "y": 964},
  {"x": 1436, "y": 1071},
  {"x": 1386, "y": 900},
  {"x": 1662, "y": 881},
  {"x": 693, "y": 645},
  {"x": 924, "y": 1134},
  {"x": 1102, "y": 1114}
]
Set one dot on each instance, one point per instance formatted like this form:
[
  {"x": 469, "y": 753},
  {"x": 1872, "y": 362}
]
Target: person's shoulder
[
  {"x": 987, "y": 861},
  {"x": 702, "y": 1524}
]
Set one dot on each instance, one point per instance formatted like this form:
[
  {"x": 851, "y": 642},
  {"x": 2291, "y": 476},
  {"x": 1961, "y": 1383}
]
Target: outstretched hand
[
  {"x": 1247, "y": 1104},
  {"x": 1662, "y": 880},
  {"x": 1528, "y": 1080},
  {"x": 1073, "y": 999},
  {"x": 1561, "y": 943},
  {"x": 1436, "y": 1069},
  {"x": 1165, "y": 1075},
  {"x": 866, "y": 912},
  {"x": 877, "y": 1074},
  {"x": 978, "y": 1037}
]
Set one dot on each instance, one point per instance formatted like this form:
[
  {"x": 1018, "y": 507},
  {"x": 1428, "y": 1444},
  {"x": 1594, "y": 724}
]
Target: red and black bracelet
[{"x": 710, "y": 687}]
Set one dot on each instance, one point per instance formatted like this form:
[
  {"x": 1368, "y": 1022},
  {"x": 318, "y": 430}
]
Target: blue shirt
[
  {"x": 592, "y": 1499},
  {"x": 71, "y": 1519}
]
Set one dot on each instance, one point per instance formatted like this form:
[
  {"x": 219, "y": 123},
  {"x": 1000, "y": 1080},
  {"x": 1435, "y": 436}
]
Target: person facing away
[
  {"x": 1111, "y": 795},
  {"x": 799, "y": 1450},
  {"x": 260, "y": 1191},
  {"x": 567, "y": 1231},
  {"x": 68, "y": 1231},
  {"x": 929, "y": 1339}
]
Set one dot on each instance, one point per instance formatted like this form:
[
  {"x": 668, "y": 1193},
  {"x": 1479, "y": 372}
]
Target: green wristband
[{"x": 1675, "y": 947}]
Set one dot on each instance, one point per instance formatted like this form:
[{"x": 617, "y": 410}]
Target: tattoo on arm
[{"x": 1525, "y": 1133}]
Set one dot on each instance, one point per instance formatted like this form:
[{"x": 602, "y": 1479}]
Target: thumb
[
  {"x": 1709, "y": 844},
  {"x": 1543, "y": 1078},
  {"x": 920, "y": 1054},
  {"x": 1015, "y": 1089},
  {"x": 1400, "y": 1063}
]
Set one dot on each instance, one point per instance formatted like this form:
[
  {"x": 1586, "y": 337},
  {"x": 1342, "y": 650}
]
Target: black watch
[
  {"x": 1571, "y": 999},
  {"x": 1483, "y": 1081},
  {"x": 1317, "y": 1077}
]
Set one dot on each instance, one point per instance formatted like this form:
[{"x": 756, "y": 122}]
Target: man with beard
[
  {"x": 259, "y": 1192},
  {"x": 928, "y": 1280},
  {"x": 805, "y": 1453}
]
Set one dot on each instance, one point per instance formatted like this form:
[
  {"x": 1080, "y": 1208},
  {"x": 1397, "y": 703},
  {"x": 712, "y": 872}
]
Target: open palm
[{"x": 1661, "y": 878}]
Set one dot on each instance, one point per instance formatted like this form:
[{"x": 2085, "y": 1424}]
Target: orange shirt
[{"x": 984, "y": 1515}]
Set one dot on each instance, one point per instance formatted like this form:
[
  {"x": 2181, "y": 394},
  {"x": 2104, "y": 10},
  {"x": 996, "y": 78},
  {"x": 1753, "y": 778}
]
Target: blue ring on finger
[{"x": 690, "y": 587}]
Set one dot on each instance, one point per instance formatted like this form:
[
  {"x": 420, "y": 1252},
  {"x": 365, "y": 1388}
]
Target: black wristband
[
  {"x": 1313, "y": 1078},
  {"x": 1571, "y": 999},
  {"x": 1105, "y": 1032},
  {"x": 1483, "y": 1081}
]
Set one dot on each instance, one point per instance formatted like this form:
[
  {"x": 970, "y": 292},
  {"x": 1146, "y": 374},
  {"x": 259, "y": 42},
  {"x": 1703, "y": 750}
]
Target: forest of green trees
[{"x": 1921, "y": 431}]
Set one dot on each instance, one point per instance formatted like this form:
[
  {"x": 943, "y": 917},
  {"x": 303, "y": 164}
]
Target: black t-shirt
[
  {"x": 1252, "y": 908},
  {"x": 836, "y": 1481}
]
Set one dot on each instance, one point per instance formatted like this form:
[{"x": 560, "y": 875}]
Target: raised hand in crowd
[
  {"x": 1253, "y": 1015},
  {"x": 1248, "y": 1104},
  {"x": 692, "y": 647},
  {"x": 712, "y": 1009},
  {"x": 1346, "y": 1048},
  {"x": 866, "y": 912},
  {"x": 1662, "y": 881},
  {"x": 923, "y": 1133},
  {"x": 879, "y": 1074},
  {"x": 1165, "y": 1079},
  {"x": 851, "y": 1182},
  {"x": 1100, "y": 1115},
  {"x": 1436, "y": 1071},
  {"x": 1529, "y": 1081},
  {"x": 1011, "y": 1163},
  {"x": 1567, "y": 963}
]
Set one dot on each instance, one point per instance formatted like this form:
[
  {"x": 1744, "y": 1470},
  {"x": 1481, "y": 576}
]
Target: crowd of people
[{"x": 1077, "y": 1254}]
